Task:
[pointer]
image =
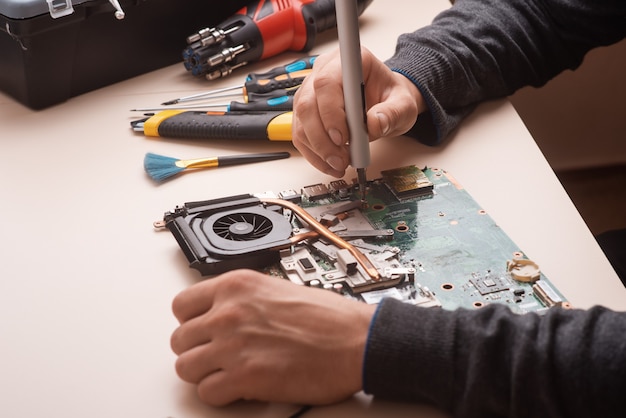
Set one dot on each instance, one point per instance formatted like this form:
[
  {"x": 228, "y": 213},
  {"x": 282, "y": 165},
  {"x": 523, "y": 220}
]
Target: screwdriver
[
  {"x": 249, "y": 97},
  {"x": 275, "y": 103},
  {"x": 253, "y": 97},
  {"x": 284, "y": 102},
  {"x": 353, "y": 88},
  {"x": 294, "y": 66},
  {"x": 294, "y": 72},
  {"x": 260, "y": 86},
  {"x": 270, "y": 125},
  {"x": 281, "y": 99}
]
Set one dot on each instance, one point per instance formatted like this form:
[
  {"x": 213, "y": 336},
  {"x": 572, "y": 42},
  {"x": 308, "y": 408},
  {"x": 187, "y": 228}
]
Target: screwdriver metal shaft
[{"x": 200, "y": 96}]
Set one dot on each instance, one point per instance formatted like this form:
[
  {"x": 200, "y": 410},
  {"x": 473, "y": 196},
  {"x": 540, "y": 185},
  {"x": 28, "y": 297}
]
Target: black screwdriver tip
[{"x": 170, "y": 102}]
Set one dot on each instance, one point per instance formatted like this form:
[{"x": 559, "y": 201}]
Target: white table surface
[{"x": 86, "y": 283}]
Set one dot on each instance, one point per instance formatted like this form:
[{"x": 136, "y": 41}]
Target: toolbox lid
[{"x": 25, "y": 9}]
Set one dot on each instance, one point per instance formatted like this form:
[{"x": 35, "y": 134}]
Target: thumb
[{"x": 390, "y": 119}]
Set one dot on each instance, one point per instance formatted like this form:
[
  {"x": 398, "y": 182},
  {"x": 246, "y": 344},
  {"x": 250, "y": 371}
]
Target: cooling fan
[
  {"x": 235, "y": 232},
  {"x": 242, "y": 226},
  {"x": 241, "y": 231}
]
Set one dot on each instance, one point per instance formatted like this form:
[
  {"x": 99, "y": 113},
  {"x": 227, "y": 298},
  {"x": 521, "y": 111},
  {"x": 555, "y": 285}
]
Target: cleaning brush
[{"x": 160, "y": 167}]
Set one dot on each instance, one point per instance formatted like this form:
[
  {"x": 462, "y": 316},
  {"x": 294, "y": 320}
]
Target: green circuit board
[
  {"x": 416, "y": 235},
  {"x": 428, "y": 230}
]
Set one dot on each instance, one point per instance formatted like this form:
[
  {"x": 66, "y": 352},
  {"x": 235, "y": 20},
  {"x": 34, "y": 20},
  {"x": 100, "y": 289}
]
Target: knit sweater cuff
[{"x": 411, "y": 347}]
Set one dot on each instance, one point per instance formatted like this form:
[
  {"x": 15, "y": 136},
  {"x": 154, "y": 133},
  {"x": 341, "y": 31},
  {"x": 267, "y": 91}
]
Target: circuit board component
[{"x": 407, "y": 182}]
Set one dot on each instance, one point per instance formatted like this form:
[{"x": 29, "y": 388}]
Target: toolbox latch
[{"x": 60, "y": 8}]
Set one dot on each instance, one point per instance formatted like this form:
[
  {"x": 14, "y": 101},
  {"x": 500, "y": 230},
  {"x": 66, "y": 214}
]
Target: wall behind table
[{"x": 579, "y": 118}]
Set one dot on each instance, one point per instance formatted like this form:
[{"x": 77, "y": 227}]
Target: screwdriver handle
[
  {"x": 283, "y": 81},
  {"x": 255, "y": 97},
  {"x": 353, "y": 87},
  {"x": 271, "y": 125},
  {"x": 297, "y": 65},
  {"x": 274, "y": 103}
]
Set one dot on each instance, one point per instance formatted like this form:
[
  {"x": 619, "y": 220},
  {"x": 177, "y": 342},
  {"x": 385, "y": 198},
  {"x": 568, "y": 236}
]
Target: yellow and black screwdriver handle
[{"x": 270, "y": 125}]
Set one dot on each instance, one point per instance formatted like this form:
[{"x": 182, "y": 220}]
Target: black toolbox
[{"x": 51, "y": 50}]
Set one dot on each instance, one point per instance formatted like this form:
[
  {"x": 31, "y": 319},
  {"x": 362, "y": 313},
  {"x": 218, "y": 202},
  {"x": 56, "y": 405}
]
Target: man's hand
[
  {"x": 245, "y": 335},
  {"x": 320, "y": 130}
]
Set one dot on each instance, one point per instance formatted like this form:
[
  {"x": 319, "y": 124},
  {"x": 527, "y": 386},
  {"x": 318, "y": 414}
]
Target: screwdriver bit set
[{"x": 260, "y": 30}]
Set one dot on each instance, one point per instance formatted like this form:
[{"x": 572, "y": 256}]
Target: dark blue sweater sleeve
[
  {"x": 490, "y": 362},
  {"x": 484, "y": 49}
]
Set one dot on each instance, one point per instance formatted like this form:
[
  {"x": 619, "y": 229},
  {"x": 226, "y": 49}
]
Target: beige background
[{"x": 579, "y": 122}]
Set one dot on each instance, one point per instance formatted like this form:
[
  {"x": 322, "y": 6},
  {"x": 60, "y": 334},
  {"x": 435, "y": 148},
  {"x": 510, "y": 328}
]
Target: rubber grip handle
[
  {"x": 275, "y": 103},
  {"x": 253, "y": 97},
  {"x": 283, "y": 81},
  {"x": 233, "y": 125},
  {"x": 297, "y": 65}
]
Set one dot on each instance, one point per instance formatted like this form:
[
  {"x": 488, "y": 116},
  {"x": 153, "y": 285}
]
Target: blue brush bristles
[{"x": 160, "y": 167}]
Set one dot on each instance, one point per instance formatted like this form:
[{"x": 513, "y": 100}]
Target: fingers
[
  {"x": 198, "y": 299},
  {"x": 207, "y": 341},
  {"x": 392, "y": 118},
  {"x": 217, "y": 389},
  {"x": 193, "y": 301},
  {"x": 320, "y": 153},
  {"x": 320, "y": 130},
  {"x": 215, "y": 323},
  {"x": 215, "y": 386},
  {"x": 192, "y": 333},
  {"x": 394, "y": 100},
  {"x": 267, "y": 339},
  {"x": 197, "y": 363}
]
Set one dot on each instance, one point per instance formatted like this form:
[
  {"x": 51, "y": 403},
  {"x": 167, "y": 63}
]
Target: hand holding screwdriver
[{"x": 320, "y": 130}]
